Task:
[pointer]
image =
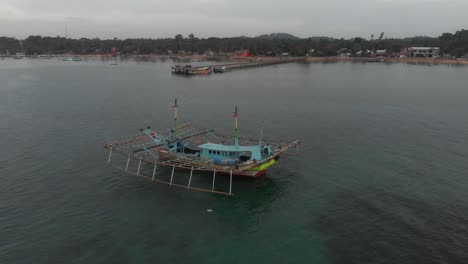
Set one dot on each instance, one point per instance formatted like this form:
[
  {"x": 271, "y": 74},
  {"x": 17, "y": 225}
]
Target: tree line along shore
[{"x": 452, "y": 46}]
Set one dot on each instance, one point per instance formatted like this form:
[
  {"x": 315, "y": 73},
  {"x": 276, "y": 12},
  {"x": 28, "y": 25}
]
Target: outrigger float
[{"x": 191, "y": 148}]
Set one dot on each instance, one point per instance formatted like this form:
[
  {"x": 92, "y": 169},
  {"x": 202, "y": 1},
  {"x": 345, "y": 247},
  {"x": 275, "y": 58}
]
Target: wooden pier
[{"x": 220, "y": 68}]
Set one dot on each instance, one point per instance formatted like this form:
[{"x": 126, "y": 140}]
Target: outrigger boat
[{"x": 192, "y": 148}]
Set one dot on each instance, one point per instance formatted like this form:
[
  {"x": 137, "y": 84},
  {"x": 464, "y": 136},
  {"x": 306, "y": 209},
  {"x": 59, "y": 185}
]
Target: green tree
[{"x": 381, "y": 36}]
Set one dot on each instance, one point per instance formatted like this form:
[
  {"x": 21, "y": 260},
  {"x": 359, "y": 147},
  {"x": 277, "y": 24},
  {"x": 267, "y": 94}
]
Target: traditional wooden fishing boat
[
  {"x": 196, "y": 149},
  {"x": 200, "y": 70}
]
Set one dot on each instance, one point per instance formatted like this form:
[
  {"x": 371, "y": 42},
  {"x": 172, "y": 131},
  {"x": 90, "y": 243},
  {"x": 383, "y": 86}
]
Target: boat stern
[{"x": 260, "y": 169}]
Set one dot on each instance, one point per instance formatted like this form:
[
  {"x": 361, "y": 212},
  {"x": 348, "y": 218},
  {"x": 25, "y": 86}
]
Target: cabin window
[
  {"x": 218, "y": 152},
  {"x": 209, "y": 151}
]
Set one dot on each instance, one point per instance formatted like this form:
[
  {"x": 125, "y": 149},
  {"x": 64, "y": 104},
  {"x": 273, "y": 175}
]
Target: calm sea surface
[{"x": 381, "y": 177}]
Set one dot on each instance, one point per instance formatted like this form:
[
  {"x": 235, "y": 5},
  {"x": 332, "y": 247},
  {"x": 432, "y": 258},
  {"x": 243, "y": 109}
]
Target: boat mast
[
  {"x": 174, "y": 131},
  {"x": 261, "y": 135},
  {"x": 236, "y": 136}
]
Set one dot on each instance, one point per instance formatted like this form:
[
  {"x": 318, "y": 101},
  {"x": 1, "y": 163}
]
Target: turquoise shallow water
[{"x": 381, "y": 176}]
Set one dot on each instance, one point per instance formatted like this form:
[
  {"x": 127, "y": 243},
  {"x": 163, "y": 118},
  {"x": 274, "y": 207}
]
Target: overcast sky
[{"x": 227, "y": 18}]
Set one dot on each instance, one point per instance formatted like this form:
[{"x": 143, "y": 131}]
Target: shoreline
[
  {"x": 390, "y": 60},
  {"x": 407, "y": 60}
]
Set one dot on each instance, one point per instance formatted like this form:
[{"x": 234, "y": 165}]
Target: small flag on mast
[
  {"x": 235, "y": 112},
  {"x": 175, "y": 103}
]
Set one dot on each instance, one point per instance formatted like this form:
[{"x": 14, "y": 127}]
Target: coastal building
[
  {"x": 364, "y": 53},
  {"x": 242, "y": 53},
  {"x": 381, "y": 52},
  {"x": 423, "y": 52},
  {"x": 310, "y": 52}
]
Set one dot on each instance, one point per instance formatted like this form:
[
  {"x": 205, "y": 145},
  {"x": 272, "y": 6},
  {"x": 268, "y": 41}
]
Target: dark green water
[{"x": 381, "y": 176}]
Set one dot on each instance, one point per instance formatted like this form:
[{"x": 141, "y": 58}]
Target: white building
[
  {"x": 424, "y": 52},
  {"x": 381, "y": 52}
]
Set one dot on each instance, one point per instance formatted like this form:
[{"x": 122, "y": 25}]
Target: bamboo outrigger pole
[
  {"x": 174, "y": 132},
  {"x": 236, "y": 136}
]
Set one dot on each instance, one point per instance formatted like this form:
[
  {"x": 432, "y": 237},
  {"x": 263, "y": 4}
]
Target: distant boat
[
  {"x": 200, "y": 71},
  {"x": 19, "y": 56},
  {"x": 219, "y": 69},
  {"x": 72, "y": 59},
  {"x": 380, "y": 59}
]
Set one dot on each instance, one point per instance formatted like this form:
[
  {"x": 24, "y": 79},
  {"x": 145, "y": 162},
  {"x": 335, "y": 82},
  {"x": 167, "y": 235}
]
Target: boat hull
[
  {"x": 204, "y": 71},
  {"x": 260, "y": 169},
  {"x": 252, "y": 174}
]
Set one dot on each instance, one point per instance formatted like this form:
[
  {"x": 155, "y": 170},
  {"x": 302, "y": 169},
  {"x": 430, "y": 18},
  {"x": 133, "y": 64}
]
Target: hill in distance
[{"x": 277, "y": 36}]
